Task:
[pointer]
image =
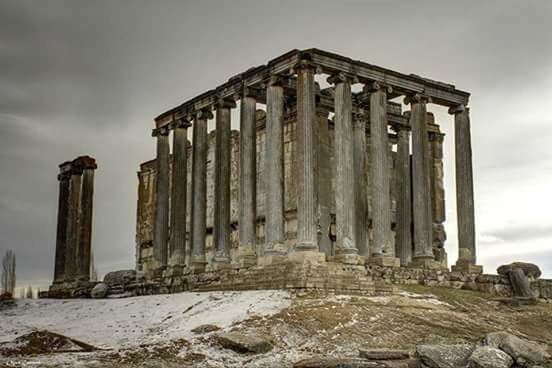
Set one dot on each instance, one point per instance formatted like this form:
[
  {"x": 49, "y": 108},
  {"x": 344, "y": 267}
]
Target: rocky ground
[{"x": 256, "y": 328}]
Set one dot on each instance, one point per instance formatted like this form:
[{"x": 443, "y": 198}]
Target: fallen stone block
[
  {"x": 383, "y": 354},
  {"x": 489, "y": 357},
  {"x": 525, "y": 353},
  {"x": 203, "y": 329},
  {"x": 99, "y": 291},
  {"x": 330, "y": 362},
  {"x": 445, "y": 356},
  {"x": 244, "y": 343}
]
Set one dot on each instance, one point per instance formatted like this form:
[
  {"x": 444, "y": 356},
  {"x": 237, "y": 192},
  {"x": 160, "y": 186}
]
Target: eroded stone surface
[
  {"x": 244, "y": 343},
  {"x": 383, "y": 354},
  {"x": 489, "y": 357},
  {"x": 445, "y": 356},
  {"x": 525, "y": 353}
]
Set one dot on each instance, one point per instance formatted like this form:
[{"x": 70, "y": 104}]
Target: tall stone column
[
  {"x": 361, "y": 184},
  {"x": 344, "y": 162},
  {"x": 177, "y": 249},
  {"x": 71, "y": 252},
  {"x": 248, "y": 175},
  {"x": 221, "y": 257},
  {"x": 437, "y": 190},
  {"x": 84, "y": 252},
  {"x": 199, "y": 190},
  {"x": 382, "y": 249},
  {"x": 403, "y": 234},
  {"x": 161, "y": 226},
  {"x": 423, "y": 252},
  {"x": 64, "y": 179},
  {"x": 324, "y": 182},
  {"x": 464, "y": 192},
  {"x": 274, "y": 169},
  {"x": 306, "y": 160}
]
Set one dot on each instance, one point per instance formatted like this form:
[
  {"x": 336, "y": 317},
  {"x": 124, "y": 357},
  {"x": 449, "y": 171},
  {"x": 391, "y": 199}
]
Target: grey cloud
[{"x": 521, "y": 233}]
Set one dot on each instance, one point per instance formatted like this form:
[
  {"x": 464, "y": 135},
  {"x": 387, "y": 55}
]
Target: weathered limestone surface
[
  {"x": 73, "y": 224},
  {"x": 84, "y": 250},
  {"x": 325, "y": 197},
  {"x": 403, "y": 237},
  {"x": 64, "y": 178},
  {"x": 361, "y": 185}
]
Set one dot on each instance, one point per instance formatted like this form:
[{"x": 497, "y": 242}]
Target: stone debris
[
  {"x": 489, "y": 357},
  {"x": 383, "y": 354},
  {"x": 525, "y": 353},
  {"x": 203, "y": 329},
  {"x": 244, "y": 343},
  {"x": 122, "y": 277},
  {"x": 43, "y": 342},
  {"x": 329, "y": 362},
  {"x": 99, "y": 291},
  {"x": 445, "y": 356}
]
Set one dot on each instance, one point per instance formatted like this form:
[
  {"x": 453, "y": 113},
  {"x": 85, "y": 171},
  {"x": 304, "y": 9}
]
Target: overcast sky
[{"x": 88, "y": 77}]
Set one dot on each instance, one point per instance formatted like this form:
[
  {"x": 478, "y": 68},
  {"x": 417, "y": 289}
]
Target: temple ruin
[
  {"x": 329, "y": 189},
  {"x": 318, "y": 175}
]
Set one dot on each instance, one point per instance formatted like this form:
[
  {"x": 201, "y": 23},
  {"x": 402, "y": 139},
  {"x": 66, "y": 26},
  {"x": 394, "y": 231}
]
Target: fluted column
[
  {"x": 421, "y": 211},
  {"x": 344, "y": 162},
  {"x": 324, "y": 182},
  {"x": 177, "y": 249},
  {"x": 84, "y": 252},
  {"x": 403, "y": 234},
  {"x": 437, "y": 191},
  {"x": 361, "y": 184},
  {"x": 73, "y": 223},
  {"x": 274, "y": 169},
  {"x": 161, "y": 226},
  {"x": 64, "y": 179},
  {"x": 306, "y": 160},
  {"x": 222, "y": 230},
  {"x": 248, "y": 180},
  {"x": 199, "y": 190},
  {"x": 464, "y": 191}
]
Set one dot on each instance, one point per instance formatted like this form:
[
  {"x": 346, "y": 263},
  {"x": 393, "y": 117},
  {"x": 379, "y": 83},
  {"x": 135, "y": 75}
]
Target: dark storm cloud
[{"x": 87, "y": 77}]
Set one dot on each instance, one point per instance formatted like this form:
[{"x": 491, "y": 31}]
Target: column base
[
  {"x": 385, "y": 261},
  {"x": 463, "y": 266},
  {"x": 352, "y": 259},
  {"x": 175, "y": 270},
  {"x": 220, "y": 265},
  {"x": 307, "y": 257},
  {"x": 247, "y": 257},
  {"x": 271, "y": 258},
  {"x": 428, "y": 263},
  {"x": 197, "y": 267}
]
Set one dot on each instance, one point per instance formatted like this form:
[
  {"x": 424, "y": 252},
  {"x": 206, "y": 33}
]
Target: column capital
[
  {"x": 87, "y": 162},
  {"x": 306, "y": 64},
  {"x": 436, "y": 136},
  {"x": 376, "y": 86},
  {"x": 183, "y": 122},
  {"x": 203, "y": 114},
  {"x": 398, "y": 128},
  {"x": 250, "y": 91},
  {"x": 453, "y": 110},
  {"x": 342, "y": 78},
  {"x": 276, "y": 80},
  {"x": 416, "y": 98},
  {"x": 359, "y": 118},
  {"x": 225, "y": 103},
  {"x": 164, "y": 130}
]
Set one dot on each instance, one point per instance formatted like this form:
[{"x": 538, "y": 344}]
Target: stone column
[
  {"x": 73, "y": 223},
  {"x": 177, "y": 249},
  {"x": 423, "y": 252},
  {"x": 344, "y": 162},
  {"x": 248, "y": 175},
  {"x": 64, "y": 179},
  {"x": 361, "y": 184},
  {"x": 403, "y": 234},
  {"x": 199, "y": 191},
  {"x": 382, "y": 249},
  {"x": 464, "y": 192},
  {"x": 161, "y": 226},
  {"x": 306, "y": 161},
  {"x": 437, "y": 191},
  {"x": 274, "y": 170},
  {"x": 324, "y": 182},
  {"x": 221, "y": 256},
  {"x": 85, "y": 222}
]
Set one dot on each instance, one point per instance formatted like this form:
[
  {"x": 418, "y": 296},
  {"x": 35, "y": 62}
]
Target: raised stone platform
[{"x": 306, "y": 277}]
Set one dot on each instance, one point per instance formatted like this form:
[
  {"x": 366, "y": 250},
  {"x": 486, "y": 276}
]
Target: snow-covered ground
[{"x": 124, "y": 323}]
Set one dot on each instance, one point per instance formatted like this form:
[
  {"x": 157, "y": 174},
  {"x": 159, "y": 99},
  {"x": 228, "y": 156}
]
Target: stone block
[
  {"x": 271, "y": 260},
  {"x": 467, "y": 268},
  {"x": 307, "y": 257},
  {"x": 352, "y": 259},
  {"x": 426, "y": 263},
  {"x": 385, "y": 261}
]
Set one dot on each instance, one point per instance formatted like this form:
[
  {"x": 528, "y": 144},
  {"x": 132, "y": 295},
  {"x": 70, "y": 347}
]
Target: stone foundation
[{"x": 325, "y": 278}]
